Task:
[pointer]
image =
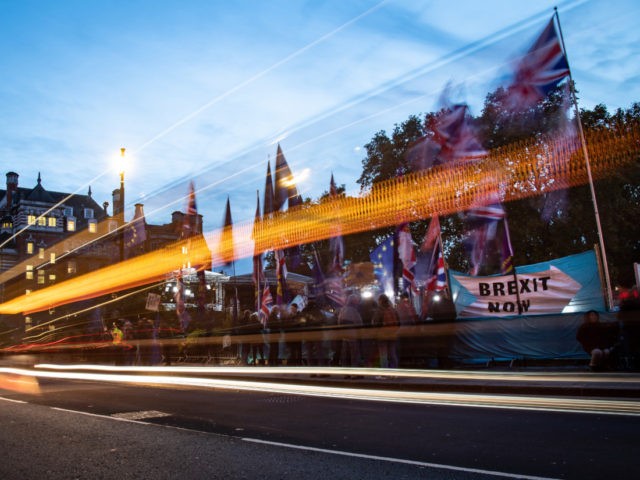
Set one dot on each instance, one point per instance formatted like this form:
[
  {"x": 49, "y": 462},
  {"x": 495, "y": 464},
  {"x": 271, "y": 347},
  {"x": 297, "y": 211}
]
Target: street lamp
[{"x": 121, "y": 206}]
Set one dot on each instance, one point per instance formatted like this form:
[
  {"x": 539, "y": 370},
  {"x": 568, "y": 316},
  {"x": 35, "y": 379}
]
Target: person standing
[
  {"x": 387, "y": 318},
  {"x": 349, "y": 318},
  {"x": 597, "y": 339}
]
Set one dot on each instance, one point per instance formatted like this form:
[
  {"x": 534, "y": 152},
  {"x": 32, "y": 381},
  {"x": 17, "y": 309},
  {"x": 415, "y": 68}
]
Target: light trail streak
[
  {"x": 520, "y": 169},
  {"x": 532, "y": 377},
  {"x": 515, "y": 402}
]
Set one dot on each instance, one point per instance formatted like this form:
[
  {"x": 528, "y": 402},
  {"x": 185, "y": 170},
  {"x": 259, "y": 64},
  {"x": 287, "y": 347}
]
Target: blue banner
[{"x": 564, "y": 285}]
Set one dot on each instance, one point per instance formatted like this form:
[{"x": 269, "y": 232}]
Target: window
[
  {"x": 53, "y": 221},
  {"x": 40, "y": 277},
  {"x": 31, "y": 219},
  {"x": 30, "y": 247},
  {"x": 52, "y": 257},
  {"x": 42, "y": 221},
  {"x": 27, "y": 292},
  {"x": 93, "y": 226},
  {"x": 52, "y": 277},
  {"x": 113, "y": 226},
  {"x": 68, "y": 211},
  {"x": 71, "y": 267},
  {"x": 29, "y": 274},
  {"x": 71, "y": 224},
  {"x": 88, "y": 213},
  {"x": 41, "y": 252}
]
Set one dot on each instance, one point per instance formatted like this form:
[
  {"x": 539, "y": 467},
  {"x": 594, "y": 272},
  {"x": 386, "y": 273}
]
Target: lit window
[
  {"x": 27, "y": 292},
  {"x": 71, "y": 224},
  {"x": 29, "y": 274},
  {"x": 30, "y": 248},
  {"x": 88, "y": 213},
  {"x": 52, "y": 277},
  {"x": 52, "y": 257},
  {"x": 31, "y": 219},
  {"x": 93, "y": 226},
  {"x": 40, "y": 277},
  {"x": 41, "y": 252},
  {"x": 53, "y": 222},
  {"x": 42, "y": 221},
  {"x": 71, "y": 267}
]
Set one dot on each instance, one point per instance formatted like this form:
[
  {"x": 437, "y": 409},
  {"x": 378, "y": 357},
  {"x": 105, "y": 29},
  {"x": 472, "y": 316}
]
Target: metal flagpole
[{"x": 609, "y": 295}]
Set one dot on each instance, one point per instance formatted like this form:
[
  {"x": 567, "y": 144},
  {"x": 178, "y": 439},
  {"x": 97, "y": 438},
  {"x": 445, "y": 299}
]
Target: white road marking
[
  {"x": 397, "y": 460},
  {"x": 11, "y": 400}
]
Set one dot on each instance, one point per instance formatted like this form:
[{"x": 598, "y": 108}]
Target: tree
[{"x": 546, "y": 225}]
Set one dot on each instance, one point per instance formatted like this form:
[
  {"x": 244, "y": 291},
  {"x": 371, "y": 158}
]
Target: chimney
[
  {"x": 139, "y": 211},
  {"x": 117, "y": 205},
  {"x": 12, "y": 187},
  {"x": 105, "y": 205}
]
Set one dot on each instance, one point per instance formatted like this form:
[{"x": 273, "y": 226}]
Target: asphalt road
[{"x": 113, "y": 430}]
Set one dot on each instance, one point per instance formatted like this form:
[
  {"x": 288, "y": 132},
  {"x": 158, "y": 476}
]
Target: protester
[
  {"x": 387, "y": 318},
  {"x": 273, "y": 326},
  {"x": 294, "y": 344},
  {"x": 350, "y": 319},
  {"x": 598, "y": 339}
]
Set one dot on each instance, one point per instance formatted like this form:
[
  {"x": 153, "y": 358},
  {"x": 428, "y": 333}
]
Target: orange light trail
[{"x": 516, "y": 171}]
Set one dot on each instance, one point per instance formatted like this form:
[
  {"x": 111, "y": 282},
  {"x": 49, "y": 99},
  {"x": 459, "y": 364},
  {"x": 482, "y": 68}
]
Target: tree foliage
[{"x": 548, "y": 225}]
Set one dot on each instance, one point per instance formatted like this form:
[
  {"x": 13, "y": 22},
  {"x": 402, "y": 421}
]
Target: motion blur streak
[
  {"x": 518, "y": 171},
  {"x": 593, "y": 406},
  {"x": 20, "y": 383},
  {"x": 367, "y": 372}
]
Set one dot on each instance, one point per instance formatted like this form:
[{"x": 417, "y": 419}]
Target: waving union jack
[{"x": 542, "y": 68}]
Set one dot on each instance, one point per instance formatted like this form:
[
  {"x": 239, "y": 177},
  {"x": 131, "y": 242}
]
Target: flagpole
[
  {"x": 513, "y": 263},
  {"x": 609, "y": 295}
]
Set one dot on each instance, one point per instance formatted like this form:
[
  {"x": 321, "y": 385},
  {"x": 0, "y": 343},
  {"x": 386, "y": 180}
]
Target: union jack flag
[
  {"x": 542, "y": 68},
  {"x": 432, "y": 236},
  {"x": 454, "y": 140},
  {"x": 437, "y": 275}
]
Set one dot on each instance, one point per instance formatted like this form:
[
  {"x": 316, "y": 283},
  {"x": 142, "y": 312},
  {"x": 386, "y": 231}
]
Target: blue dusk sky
[{"x": 204, "y": 90}]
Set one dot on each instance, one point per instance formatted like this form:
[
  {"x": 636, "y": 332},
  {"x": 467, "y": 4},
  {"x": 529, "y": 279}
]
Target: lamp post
[{"x": 121, "y": 206}]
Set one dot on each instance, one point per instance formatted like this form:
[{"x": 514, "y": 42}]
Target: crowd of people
[{"x": 363, "y": 332}]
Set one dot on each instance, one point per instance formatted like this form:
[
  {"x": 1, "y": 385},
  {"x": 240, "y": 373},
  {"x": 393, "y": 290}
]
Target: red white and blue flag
[
  {"x": 437, "y": 275},
  {"x": 454, "y": 140},
  {"x": 265, "y": 304},
  {"x": 541, "y": 69}
]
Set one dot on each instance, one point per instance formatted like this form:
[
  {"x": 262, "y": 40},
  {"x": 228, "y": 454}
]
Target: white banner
[
  {"x": 153, "y": 302},
  {"x": 537, "y": 293}
]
